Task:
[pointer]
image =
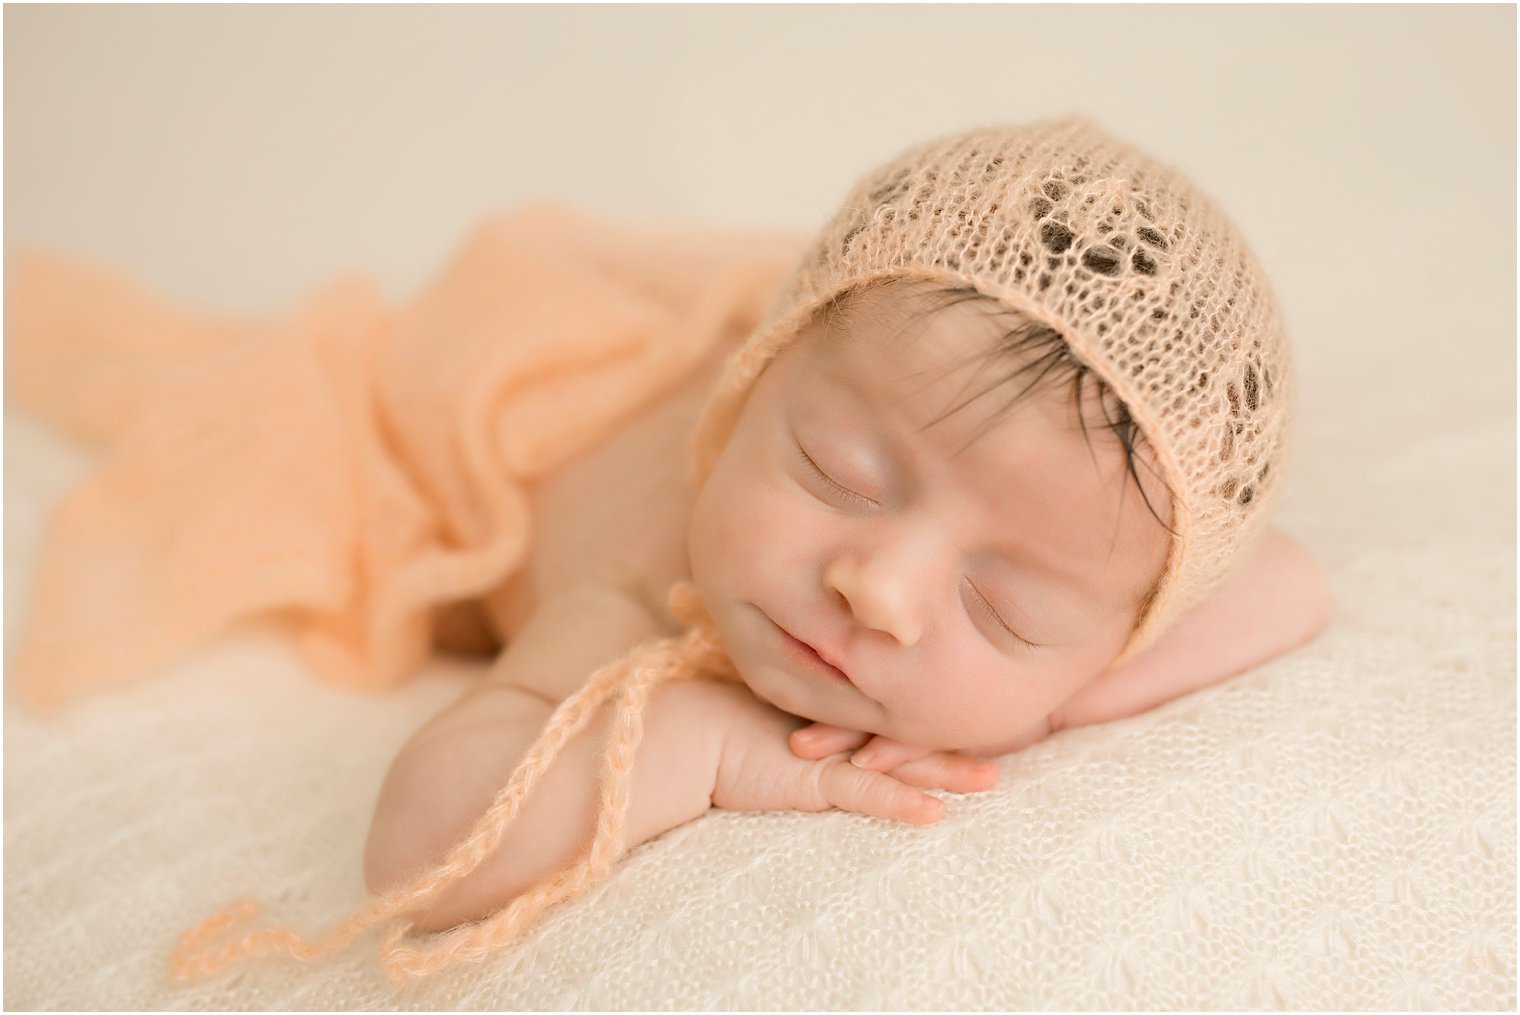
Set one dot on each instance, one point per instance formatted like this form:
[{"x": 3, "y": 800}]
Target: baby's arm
[
  {"x": 447, "y": 774},
  {"x": 704, "y": 743}
]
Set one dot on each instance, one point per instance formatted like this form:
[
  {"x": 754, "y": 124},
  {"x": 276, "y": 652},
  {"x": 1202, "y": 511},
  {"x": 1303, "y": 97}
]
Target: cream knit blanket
[{"x": 1333, "y": 830}]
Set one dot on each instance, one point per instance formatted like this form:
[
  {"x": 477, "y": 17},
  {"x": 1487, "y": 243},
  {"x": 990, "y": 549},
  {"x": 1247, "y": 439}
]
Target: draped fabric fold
[{"x": 344, "y": 467}]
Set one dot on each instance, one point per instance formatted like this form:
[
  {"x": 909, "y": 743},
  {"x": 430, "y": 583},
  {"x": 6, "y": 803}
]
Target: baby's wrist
[{"x": 684, "y": 718}]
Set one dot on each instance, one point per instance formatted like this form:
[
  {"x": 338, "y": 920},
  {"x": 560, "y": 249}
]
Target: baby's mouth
[{"x": 808, "y": 655}]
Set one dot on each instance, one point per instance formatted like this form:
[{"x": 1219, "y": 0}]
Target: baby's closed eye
[
  {"x": 837, "y": 487},
  {"x": 980, "y": 602}
]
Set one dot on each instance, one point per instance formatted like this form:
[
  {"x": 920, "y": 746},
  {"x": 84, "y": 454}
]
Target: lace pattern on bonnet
[{"x": 1151, "y": 287}]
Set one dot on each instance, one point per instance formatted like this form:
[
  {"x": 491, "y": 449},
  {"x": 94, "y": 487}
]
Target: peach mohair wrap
[{"x": 1151, "y": 286}]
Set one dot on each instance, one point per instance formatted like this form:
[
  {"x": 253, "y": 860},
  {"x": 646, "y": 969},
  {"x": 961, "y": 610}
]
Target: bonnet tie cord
[{"x": 696, "y": 653}]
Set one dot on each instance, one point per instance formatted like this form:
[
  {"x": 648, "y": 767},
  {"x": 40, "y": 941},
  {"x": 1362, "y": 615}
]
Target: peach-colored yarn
[{"x": 696, "y": 654}]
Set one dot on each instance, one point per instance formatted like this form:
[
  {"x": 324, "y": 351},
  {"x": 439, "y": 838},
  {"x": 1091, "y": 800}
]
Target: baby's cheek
[
  {"x": 771, "y": 537},
  {"x": 707, "y": 539},
  {"x": 732, "y": 525}
]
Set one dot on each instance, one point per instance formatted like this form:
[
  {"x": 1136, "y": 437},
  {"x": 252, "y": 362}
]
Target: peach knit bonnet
[{"x": 1149, "y": 283}]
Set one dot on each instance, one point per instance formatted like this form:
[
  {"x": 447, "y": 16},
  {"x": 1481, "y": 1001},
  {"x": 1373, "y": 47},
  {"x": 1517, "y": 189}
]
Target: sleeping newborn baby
[
  {"x": 913, "y": 532},
  {"x": 997, "y": 464}
]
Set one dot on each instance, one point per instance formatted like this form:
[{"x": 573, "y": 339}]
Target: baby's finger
[
  {"x": 883, "y": 754},
  {"x": 865, "y": 792},
  {"x": 954, "y": 772},
  {"x": 820, "y": 740}
]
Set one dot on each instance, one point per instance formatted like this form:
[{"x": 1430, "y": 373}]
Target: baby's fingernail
[{"x": 863, "y": 759}]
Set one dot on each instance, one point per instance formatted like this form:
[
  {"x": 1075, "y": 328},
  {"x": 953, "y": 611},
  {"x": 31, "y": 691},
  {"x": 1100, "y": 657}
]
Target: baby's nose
[{"x": 889, "y": 599}]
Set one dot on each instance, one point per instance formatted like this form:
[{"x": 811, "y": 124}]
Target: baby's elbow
[
  {"x": 406, "y": 841},
  {"x": 393, "y": 859},
  {"x": 389, "y": 855},
  {"x": 1322, "y": 606}
]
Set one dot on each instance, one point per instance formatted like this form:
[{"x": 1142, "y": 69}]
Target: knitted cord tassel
[{"x": 697, "y": 653}]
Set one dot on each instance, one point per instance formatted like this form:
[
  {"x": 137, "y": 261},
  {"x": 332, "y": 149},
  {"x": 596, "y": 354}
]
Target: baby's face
[{"x": 917, "y": 572}]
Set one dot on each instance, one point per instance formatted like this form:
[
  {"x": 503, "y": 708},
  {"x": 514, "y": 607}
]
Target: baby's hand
[
  {"x": 757, "y": 772},
  {"x": 917, "y": 766}
]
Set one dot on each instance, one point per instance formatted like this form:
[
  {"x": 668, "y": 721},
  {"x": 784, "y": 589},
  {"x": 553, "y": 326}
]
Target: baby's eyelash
[
  {"x": 807, "y": 460},
  {"x": 987, "y": 606}
]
